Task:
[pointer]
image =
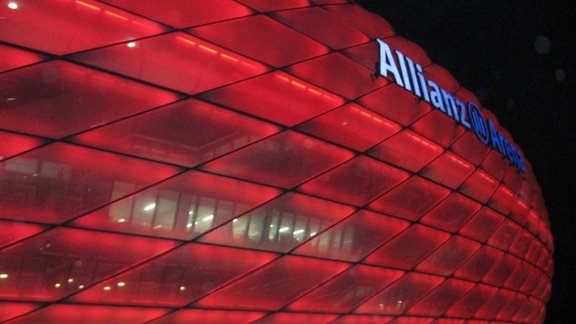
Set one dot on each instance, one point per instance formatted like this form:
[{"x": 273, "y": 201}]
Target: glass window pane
[
  {"x": 63, "y": 261},
  {"x": 182, "y": 208},
  {"x": 176, "y": 278},
  {"x": 287, "y": 218},
  {"x": 84, "y": 180}
]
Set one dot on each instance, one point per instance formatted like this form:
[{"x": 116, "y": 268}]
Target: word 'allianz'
[{"x": 409, "y": 75}]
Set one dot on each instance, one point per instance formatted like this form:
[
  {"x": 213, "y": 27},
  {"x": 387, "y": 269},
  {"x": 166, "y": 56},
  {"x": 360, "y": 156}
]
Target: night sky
[{"x": 518, "y": 57}]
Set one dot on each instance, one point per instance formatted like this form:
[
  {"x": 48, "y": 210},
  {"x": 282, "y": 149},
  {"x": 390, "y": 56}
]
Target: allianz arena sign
[{"x": 410, "y": 76}]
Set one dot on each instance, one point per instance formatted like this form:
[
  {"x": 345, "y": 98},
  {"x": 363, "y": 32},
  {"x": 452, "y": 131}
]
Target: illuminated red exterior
[{"x": 240, "y": 161}]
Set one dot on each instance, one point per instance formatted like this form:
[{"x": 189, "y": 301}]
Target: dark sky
[{"x": 518, "y": 57}]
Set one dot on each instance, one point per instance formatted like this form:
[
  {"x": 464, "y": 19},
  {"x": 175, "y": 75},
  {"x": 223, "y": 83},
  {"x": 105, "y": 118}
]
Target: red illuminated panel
[
  {"x": 14, "y": 231},
  {"x": 61, "y": 27},
  {"x": 466, "y": 95},
  {"x": 57, "y": 182},
  {"x": 182, "y": 208},
  {"x": 56, "y": 99},
  {"x": 281, "y": 98},
  {"x": 274, "y": 285},
  {"x": 497, "y": 302},
  {"x": 479, "y": 186},
  {"x": 502, "y": 200},
  {"x": 338, "y": 74},
  {"x": 503, "y": 237},
  {"x": 451, "y": 213},
  {"x": 480, "y": 263},
  {"x": 408, "y": 248},
  {"x": 92, "y": 314},
  {"x": 329, "y": 1},
  {"x": 362, "y": 319},
  {"x": 284, "y": 160},
  {"x": 13, "y": 57},
  {"x": 322, "y": 25},
  {"x": 352, "y": 126},
  {"x": 266, "y": 5},
  {"x": 270, "y": 42},
  {"x": 513, "y": 179},
  {"x": 186, "y": 133},
  {"x": 176, "y": 278},
  {"x": 495, "y": 164},
  {"x": 372, "y": 25},
  {"x": 531, "y": 284},
  {"x": 280, "y": 225},
  {"x": 18, "y": 144},
  {"x": 442, "y": 77},
  {"x": 411, "y": 199},
  {"x": 528, "y": 310},
  {"x": 347, "y": 290},
  {"x": 534, "y": 252},
  {"x": 438, "y": 127},
  {"x": 469, "y": 147},
  {"x": 467, "y": 306},
  {"x": 501, "y": 270},
  {"x": 449, "y": 256},
  {"x": 438, "y": 301},
  {"x": 522, "y": 243},
  {"x": 482, "y": 225},
  {"x": 371, "y": 178},
  {"x": 395, "y": 103},
  {"x": 11, "y": 310},
  {"x": 184, "y": 13},
  {"x": 398, "y": 297},
  {"x": 407, "y": 150},
  {"x": 63, "y": 261},
  {"x": 518, "y": 278},
  {"x": 289, "y": 318},
  {"x": 176, "y": 60},
  {"x": 365, "y": 54},
  {"x": 448, "y": 169},
  {"x": 186, "y": 316},
  {"x": 507, "y": 312},
  {"x": 353, "y": 238}
]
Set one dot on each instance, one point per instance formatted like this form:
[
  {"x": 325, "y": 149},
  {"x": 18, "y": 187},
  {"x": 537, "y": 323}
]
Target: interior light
[
  {"x": 150, "y": 207},
  {"x": 313, "y": 233},
  {"x": 107, "y": 288},
  {"x": 3, "y": 275},
  {"x": 234, "y": 220},
  {"x": 189, "y": 225},
  {"x": 300, "y": 231},
  {"x": 57, "y": 285},
  {"x": 121, "y": 220},
  {"x": 81, "y": 287},
  {"x": 284, "y": 229},
  {"x": 13, "y": 5},
  {"x": 131, "y": 44},
  {"x": 207, "y": 218},
  {"x": 182, "y": 288},
  {"x": 121, "y": 284},
  {"x": 70, "y": 280}
]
